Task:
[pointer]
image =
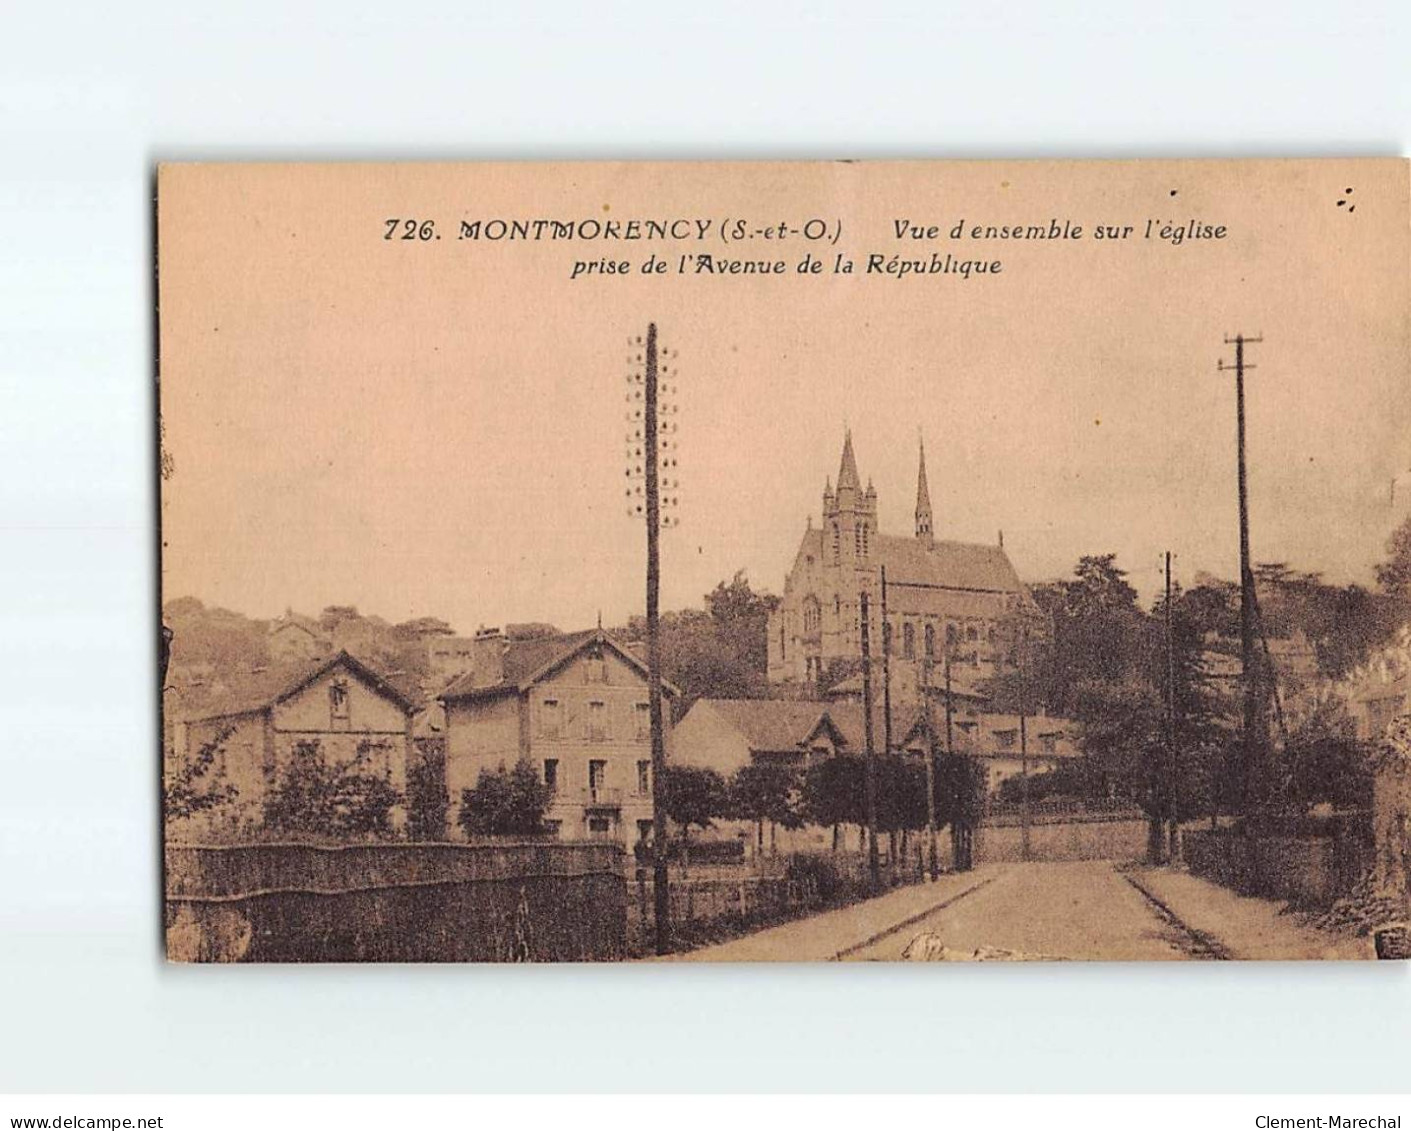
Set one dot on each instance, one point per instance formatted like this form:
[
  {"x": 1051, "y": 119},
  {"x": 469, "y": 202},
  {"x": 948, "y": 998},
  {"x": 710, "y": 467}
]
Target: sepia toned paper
[{"x": 1033, "y": 560}]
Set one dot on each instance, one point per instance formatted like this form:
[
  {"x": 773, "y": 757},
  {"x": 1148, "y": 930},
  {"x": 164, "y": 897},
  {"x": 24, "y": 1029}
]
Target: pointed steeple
[
  {"x": 923, "y": 501},
  {"x": 847, "y": 470}
]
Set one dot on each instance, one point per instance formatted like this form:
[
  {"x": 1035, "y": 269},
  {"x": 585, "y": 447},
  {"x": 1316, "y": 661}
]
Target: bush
[
  {"x": 505, "y": 803},
  {"x": 827, "y": 879},
  {"x": 339, "y": 800}
]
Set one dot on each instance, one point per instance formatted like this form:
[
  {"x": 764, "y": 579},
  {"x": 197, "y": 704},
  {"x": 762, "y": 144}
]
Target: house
[
  {"x": 449, "y": 656},
  {"x": 344, "y": 708},
  {"x": 725, "y": 734},
  {"x": 575, "y": 707},
  {"x": 294, "y": 637},
  {"x": 1004, "y": 746},
  {"x": 1380, "y": 689}
]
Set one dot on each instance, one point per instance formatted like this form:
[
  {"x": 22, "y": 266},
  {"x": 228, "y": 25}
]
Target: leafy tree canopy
[{"x": 505, "y": 802}]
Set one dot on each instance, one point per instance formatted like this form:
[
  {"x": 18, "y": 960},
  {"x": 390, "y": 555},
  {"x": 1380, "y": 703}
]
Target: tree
[
  {"x": 316, "y": 797},
  {"x": 427, "y": 802},
  {"x": 505, "y": 803},
  {"x": 420, "y": 628},
  {"x": 961, "y": 785},
  {"x": 694, "y": 795},
  {"x": 194, "y": 788},
  {"x": 703, "y": 663},
  {"x": 835, "y": 792},
  {"x": 1394, "y": 574},
  {"x": 741, "y": 619},
  {"x": 1324, "y": 762},
  {"x": 719, "y": 651},
  {"x": 334, "y": 615},
  {"x": 766, "y": 792},
  {"x": 1122, "y": 723},
  {"x": 901, "y": 793}
]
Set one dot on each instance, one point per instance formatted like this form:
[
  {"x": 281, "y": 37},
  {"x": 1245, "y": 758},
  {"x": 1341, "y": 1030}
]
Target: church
[{"x": 939, "y": 593}]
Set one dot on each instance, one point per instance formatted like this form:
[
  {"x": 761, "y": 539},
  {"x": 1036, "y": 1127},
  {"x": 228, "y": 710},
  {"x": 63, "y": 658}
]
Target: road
[
  {"x": 1094, "y": 910},
  {"x": 1079, "y": 910}
]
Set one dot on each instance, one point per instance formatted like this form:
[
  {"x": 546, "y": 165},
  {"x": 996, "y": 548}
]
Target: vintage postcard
[{"x": 919, "y": 560}]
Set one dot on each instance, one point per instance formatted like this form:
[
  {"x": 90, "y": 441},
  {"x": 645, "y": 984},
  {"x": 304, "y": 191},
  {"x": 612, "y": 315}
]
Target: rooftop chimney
[{"x": 487, "y": 660}]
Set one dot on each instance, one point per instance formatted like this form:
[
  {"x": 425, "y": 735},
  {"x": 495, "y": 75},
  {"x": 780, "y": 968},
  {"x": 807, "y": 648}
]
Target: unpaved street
[{"x": 1080, "y": 910}]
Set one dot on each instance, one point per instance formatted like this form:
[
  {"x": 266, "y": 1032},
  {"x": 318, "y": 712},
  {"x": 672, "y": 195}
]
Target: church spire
[
  {"x": 923, "y": 501},
  {"x": 847, "y": 470}
]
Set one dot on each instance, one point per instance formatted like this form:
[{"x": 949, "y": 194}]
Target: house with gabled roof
[
  {"x": 575, "y": 707},
  {"x": 337, "y": 704},
  {"x": 294, "y": 638},
  {"x": 725, "y": 734}
]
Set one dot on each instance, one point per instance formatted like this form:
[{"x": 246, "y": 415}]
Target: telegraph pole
[
  {"x": 660, "y": 880},
  {"x": 934, "y": 867},
  {"x": 1024, "y": 793},
  {"x": 1254, "y": 740},
  {"x": 886, "y": 670},
  {"x": 874, "y": 865},
  {"x": 651, "y": 462},
  {"x": 1173, "y": 834},
  {"x": 1024, "y": 816},
  {"x": 959, "y": 829}
]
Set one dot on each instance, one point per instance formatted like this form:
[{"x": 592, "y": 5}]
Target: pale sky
[{"x": 438, "y": 428}]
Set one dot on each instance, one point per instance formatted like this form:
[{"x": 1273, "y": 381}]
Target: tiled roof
[
  {"x": 242, "y": 693},
  {"x": 850, "y": 721},
  {"x": 769, "y": 724},
  {"x": 524, "y": 659}
]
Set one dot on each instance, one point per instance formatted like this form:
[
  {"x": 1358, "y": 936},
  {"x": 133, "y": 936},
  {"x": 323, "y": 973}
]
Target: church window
[
  {"x": 812, "y": 616},
  {"x": 887, "y": 637},
  {"x": 908, "y": 641},
  {"x": 951, "y": 635},
  {"x": 971, "y": 633},
  {"x": 930, "y": 642},
  {"x": 837, "y": 543}
]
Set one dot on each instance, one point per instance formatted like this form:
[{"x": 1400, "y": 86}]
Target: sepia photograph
[{"x": 927, "y": 561}]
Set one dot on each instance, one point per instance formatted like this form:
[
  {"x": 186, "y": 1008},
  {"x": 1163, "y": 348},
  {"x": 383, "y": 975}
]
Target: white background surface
[{"x": 92, "y": 95}]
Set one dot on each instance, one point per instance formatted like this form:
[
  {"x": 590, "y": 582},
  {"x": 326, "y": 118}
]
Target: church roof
[{"x": 948, "y": 565}]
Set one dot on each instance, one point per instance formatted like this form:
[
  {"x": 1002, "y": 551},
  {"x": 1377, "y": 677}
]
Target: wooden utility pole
[
  {"x": 1024, "y": 783},
  {"x": 1024, "y": 816},
  {"x": 1255, "y": 744},
  {"x": 886, "y": 670},
  {"x": 933, "y": 866},
  {"x": 959, "y": 827},
  {"x": 1173, "y": 833},
  {"x": 660, "y": 878},
  {"x": 874, "y": 866}
]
